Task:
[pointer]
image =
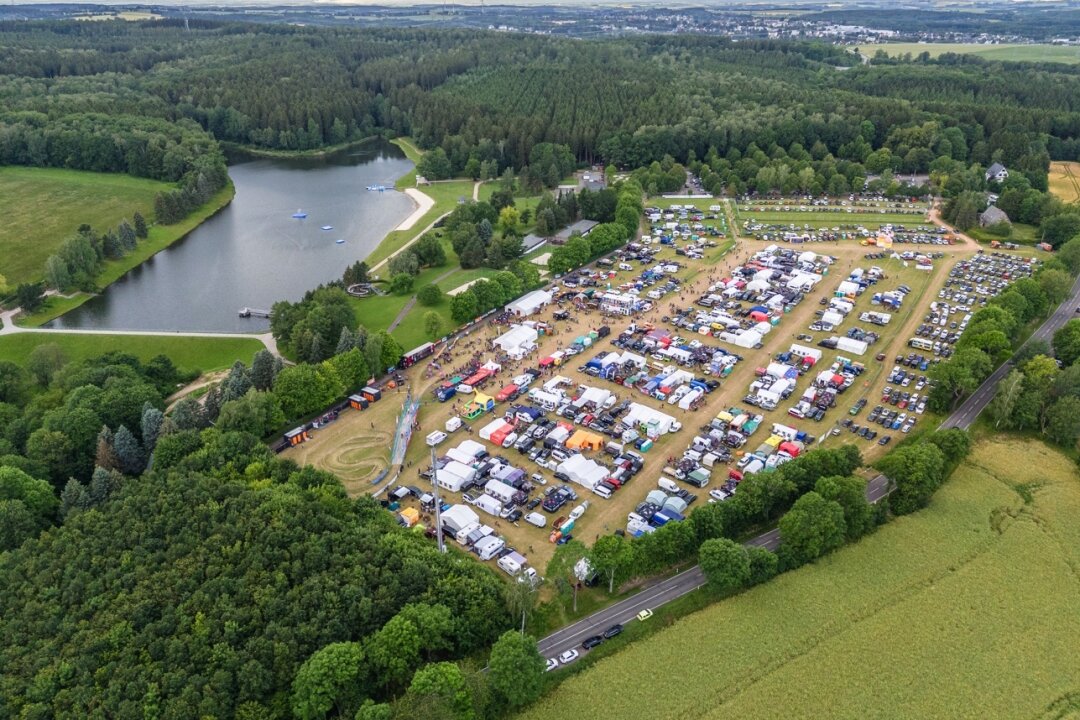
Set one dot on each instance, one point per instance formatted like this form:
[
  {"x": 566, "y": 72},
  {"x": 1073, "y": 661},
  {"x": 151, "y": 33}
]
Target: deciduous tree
[{"x": 516, "y": 669}]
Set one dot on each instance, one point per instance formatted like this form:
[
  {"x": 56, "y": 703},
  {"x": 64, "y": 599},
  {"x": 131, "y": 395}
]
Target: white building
[
  {"x": 529, "y": 303},
  {"x": 518, "y": 341}
]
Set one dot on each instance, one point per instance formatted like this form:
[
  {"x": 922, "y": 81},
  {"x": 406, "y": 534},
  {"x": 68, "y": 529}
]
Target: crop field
[
  {"x": 1004, "y": 51},
  {"x": 42, "y": 207},
  {"x": 964, "y": 610},
  {"x": 188, "y": 353},
  {"x": 1065, "y": 181}
]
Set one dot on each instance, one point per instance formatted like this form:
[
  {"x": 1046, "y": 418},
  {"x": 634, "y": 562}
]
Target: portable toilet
[
  {"x": 296, "y": 436},
  {"x": 358, "y": 402}
]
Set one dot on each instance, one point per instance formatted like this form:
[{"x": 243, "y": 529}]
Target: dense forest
[
  {"x": 156, "y": 567},
  {"x": 147, "y": 98}
]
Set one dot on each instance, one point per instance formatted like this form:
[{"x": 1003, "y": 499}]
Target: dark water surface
[{"x": 253, "y": 252}]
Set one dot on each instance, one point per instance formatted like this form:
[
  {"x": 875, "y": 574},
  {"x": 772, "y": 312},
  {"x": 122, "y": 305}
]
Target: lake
[{"x": 254, "y": 252}]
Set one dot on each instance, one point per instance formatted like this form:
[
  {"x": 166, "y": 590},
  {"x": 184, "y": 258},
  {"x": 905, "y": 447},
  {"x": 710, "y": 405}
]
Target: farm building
[
  {"x": 581, "y": 227},
  {"x": 992, "y": 216}
]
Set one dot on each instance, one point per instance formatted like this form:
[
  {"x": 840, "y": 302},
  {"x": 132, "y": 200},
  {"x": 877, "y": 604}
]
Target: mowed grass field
[
  {"x": 817, "y": 219},
  {"x": 188, "y": 353},
  {"x": 1004, "y": 51},
  {"x": 1065, "y": 181},
  {"x": 42, "y": 207},
  {"x": 967, "y": 609}
]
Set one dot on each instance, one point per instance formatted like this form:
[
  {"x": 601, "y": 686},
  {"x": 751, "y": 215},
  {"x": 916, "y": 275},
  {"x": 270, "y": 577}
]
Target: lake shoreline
[
  {"x": 145, "y": 250},
  {"x": 257, "y": 153}
]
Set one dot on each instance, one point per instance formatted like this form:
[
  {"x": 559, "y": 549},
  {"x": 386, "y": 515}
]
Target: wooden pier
[{"x": 254, "y": 312}]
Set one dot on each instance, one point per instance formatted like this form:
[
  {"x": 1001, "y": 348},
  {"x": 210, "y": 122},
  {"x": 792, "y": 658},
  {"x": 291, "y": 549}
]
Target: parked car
[
  {"x": 591, "y": 642},
  {"x": 552, "y": 664},
  {"x": 612, "y": 631},
  {"x": 568, "y": 657}
]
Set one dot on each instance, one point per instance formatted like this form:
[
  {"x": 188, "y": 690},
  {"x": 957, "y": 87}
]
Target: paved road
[
  {"x": 662, "y": 592},
  {"x": 965, "y": 415}
]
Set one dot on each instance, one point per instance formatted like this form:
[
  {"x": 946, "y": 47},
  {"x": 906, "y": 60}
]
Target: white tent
[
  {"x": 599, "y": 396},
  {"x": 585, "y": 472},
  {"x": 807, "y": 257},
  {"x": 847, "y": 287},
  {"x": 833, "y": 318},
  {"x": 492, "y": 427},
  {"x": 518, "y": 340},
  {"x": 458, "y": 517},
  {"x": 529, "y": 303},
  {"x": 642, "y": 415},
  {"x": 757, "y": 285},
  {"x": 748, "y": 339}
]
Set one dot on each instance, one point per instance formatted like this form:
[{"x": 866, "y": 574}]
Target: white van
[
  {"x": 668, "y": 485},
  {"x": 435, "y": 438},
  {"x": 603, "y": 491},
  {"x": 535, "y": 518}
]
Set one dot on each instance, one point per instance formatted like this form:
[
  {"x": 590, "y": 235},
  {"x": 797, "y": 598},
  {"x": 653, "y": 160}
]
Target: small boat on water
[
  {"x": 340, "y": 241},
  {"x": 376, "y": 188},
  {"x": 299, "y": 214},
  {"x": 327, "y": 227}
]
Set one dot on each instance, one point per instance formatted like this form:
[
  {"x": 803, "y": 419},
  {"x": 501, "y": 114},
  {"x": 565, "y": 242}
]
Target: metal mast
[{"x": 438, "y": 503}]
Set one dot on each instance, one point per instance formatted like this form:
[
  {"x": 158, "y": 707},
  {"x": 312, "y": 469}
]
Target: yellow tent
[
  {"x": 409, "y": 516},
  {"x": 582, "y": 440},
  {"x": 724, "y": 416}
]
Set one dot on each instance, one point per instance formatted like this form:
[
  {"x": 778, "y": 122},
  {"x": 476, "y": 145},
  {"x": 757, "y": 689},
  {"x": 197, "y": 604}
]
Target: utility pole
[{"x": 438, "y": 503}]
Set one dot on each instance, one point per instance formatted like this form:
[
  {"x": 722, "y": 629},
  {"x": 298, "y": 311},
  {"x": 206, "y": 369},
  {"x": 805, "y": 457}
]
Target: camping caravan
[
  {"x": 489, "y": 505},
  {"x": 511, "y": 563},
  {"x": 489, "y": 546},
  {"x": 500, "y": 490}
]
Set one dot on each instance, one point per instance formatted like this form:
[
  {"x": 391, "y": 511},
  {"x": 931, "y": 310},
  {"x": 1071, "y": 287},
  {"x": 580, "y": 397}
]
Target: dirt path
[
  {"x": 423, "y": 202},
  {"x": 201, "y": 382},
  {"x": 412, "y": 301},
  {"x": 967, "y": 240}
]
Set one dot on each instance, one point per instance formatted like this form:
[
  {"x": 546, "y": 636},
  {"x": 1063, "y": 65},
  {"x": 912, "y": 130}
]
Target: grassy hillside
[
  {"x": 187, "y": 352},
  {"x": 1006, "y": 52},
  {"x": 965, "y": 610},
  {"x": 41, "y": 207}
]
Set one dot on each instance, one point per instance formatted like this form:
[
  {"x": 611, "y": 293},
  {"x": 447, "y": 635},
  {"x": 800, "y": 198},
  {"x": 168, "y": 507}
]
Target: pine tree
[
  {"x": 212, "y": 403},
  {"x": 263, "y": 370},
  {"x": 236, "y": 384},
  {"x": 129, "y": 452},
  {"x": 103, "y": 483},
  {"x": 140, "y": 226},
  {"x": 316, "y": 353},
  {"x": 106, "y": 454},
  {"x": 188, "y": 414},
  {"x": 152, "y": 421},
  {"x": 73, "y": 497},
  {"x": 345, "y": 342},
  {"x": 127, "y": 235}
]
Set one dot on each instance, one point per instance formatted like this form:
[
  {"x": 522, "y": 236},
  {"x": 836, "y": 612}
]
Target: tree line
[
  {"x": 483, "y": 102},
  {"x": 1037, "y": 394}
]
